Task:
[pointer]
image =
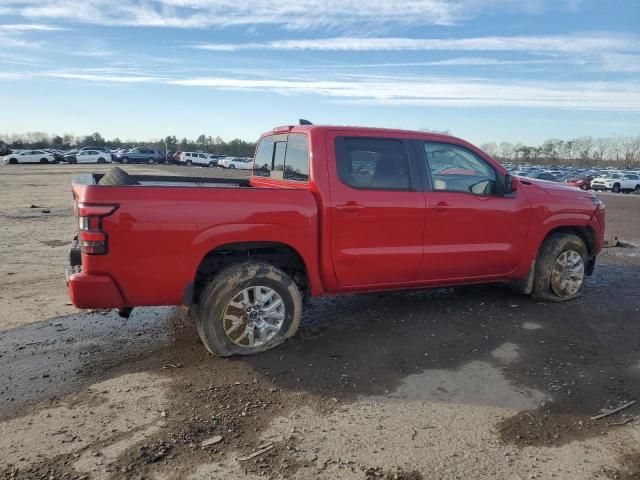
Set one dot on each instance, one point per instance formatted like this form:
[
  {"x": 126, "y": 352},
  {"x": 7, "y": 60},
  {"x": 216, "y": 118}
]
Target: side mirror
[{"x": 510, "y": 184}]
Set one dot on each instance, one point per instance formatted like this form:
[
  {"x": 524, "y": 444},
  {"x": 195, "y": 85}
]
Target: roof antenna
[{"x": 302, "y": 121}]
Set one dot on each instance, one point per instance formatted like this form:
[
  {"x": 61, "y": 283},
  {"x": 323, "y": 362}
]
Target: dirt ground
[{"x": 470, "y": 383}]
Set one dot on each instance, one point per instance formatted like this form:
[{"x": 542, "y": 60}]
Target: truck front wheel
[
  {"x": 560, "y": 268},
  {"x": 248, "y": 308}
]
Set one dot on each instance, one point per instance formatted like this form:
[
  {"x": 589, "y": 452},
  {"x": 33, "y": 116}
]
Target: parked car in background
[
  {"x": 213, "y": 159},
  {"x": 175, "y": 158},
  {"x": 29, "y": 156},
  {"x": 617, "y": 182},
  {"x": 57, "y": 155},
  {"x": 92, "y": 156},
  {"x": 548, "y": 176},
  {"x": 197, "y": 158},
  {"x": 240, "y": 163},
  {"x": 583, "y": 183},
  {"x": 140, "y": 155}
]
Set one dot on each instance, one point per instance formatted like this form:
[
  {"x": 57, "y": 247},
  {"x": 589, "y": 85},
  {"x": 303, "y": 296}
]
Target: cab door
[
  {"x": 472, "y": 230},
  {"x": 377, "y": 210}
]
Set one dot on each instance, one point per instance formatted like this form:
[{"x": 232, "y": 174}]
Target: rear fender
[{"x": 219, "y": 235}]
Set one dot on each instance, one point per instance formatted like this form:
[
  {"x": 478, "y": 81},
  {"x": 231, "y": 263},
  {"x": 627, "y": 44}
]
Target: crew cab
[{"x": 327, "y": 210}]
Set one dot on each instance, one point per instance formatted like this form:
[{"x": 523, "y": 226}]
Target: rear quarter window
[{"x": 283, "y": 157}]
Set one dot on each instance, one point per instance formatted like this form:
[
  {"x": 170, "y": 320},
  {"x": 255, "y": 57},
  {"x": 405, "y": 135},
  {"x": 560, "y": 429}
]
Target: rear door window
[{"x": 373, "y": 163}]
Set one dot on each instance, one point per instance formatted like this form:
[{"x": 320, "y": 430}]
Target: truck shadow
[{"x": 558, "y": 363}]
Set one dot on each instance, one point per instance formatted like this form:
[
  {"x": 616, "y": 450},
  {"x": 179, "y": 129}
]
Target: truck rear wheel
[
  {"x": 248, "y": 308},
  {"x": 560, "y": 269}
]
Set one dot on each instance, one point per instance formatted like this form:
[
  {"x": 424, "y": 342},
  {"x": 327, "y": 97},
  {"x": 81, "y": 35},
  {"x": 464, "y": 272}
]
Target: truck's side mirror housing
[{"x": 510, "y": 184}]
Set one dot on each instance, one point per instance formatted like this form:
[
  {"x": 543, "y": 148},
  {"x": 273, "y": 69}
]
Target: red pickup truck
[{"x": 327, "y": 210}]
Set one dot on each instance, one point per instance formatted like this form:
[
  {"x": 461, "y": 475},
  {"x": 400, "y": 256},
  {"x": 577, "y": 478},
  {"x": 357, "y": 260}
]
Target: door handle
[
  {"x": 351, "y": 207},
  {"x": 441, "y": 206}
]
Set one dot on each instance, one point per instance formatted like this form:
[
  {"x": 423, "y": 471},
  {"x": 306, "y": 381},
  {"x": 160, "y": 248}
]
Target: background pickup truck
[{"x": 328, "y": 210}]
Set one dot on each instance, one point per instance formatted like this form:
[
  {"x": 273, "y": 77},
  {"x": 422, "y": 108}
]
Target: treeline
[
  {"x": 617, "y": 151},
  {"x": 204, "y": 143}
]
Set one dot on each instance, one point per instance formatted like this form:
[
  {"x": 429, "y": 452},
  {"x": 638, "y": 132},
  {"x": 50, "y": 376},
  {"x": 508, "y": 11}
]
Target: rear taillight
[{"x": 91, "y": 236}]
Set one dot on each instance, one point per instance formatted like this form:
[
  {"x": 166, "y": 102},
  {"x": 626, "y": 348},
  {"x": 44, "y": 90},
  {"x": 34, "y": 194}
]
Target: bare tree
[
  {"x": 506, "y": 151},
  {"x": 631, "y": 150},
  {"x": 490, "y": 149},
  {"x": 601, "y": 148},
  {"x": 583, "y": 147}
]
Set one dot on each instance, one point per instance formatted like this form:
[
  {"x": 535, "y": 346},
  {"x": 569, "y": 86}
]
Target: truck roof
[{"x": 306, "y": 128}]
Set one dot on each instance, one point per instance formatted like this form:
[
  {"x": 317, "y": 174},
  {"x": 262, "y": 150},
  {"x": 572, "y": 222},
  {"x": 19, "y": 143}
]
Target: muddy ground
[{"x": 467, "y": 383}]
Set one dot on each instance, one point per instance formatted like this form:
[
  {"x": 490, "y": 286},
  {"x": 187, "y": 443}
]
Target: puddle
[
  {"x": 531, "y": 326},
  {"x": 46, "y": 359},
  {"x": 506, "y": 353},
  {"x": 476, "y": 383}
]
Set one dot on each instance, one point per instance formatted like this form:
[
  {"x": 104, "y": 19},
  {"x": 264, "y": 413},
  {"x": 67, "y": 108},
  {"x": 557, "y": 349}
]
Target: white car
[
  {"x": 236, "y": 162},
  {"x": 93, "y": 156},
  {"x": 197, "y": 158},
  {"x": 617, "y": 182},
  {"x": 29, "y": 156}
]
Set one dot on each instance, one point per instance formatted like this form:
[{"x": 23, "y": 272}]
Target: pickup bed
[{"x": 328, "y": 210}]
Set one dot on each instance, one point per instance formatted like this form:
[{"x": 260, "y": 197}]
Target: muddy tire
[
  {"x": 560, "y": 269},
  {"x": 248, "y": 308},
  {"x": 117, "y": 177}
]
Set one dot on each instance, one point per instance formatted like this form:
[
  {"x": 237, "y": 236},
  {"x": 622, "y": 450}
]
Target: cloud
[
  {"x": 549, "y": 43},
  {"x": 446, "y": 92},
  {"x": 301, "y": 14},
  {"x": 294, "y": 15},
  {"x": 13, "y": 35},
  {"x": 30, "y": 27},
  {"x": 620, "y": 62},
  {"x": 420, "y": 91},
  {"x": 90, "y": 77},
  {"x": 7, "y": 42},
  {"x": 457, "y": 61}
]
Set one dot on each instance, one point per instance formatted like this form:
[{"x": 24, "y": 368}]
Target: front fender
[{"x": 546, "y": 226}]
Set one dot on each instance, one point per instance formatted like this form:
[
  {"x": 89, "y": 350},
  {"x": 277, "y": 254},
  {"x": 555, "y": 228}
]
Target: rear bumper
[{"x": 90, "y": 291}]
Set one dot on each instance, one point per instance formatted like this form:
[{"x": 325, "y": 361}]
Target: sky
[{"x": 484, "y": 70}]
